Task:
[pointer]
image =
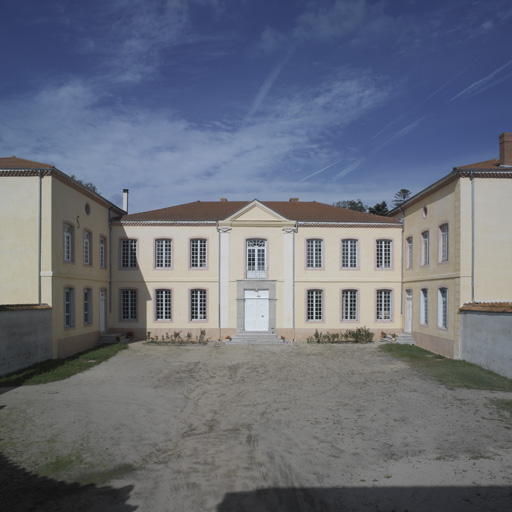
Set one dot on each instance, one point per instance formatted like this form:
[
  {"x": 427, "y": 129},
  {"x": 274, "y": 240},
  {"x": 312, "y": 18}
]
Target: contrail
[
  {"x": 480, "y": 85},
  {"x": 399, "y": 133},
  {"x": 321, "y": 170},
  {"x": 348, "y": 169}
]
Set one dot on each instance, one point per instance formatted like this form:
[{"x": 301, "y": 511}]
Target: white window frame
[
  {"x": 68, "y": 242},
  {"x": 314, "y": 305},
  {"x": 103, "y": 252},
  {"x": 409, "y": 252},
  {"x": 349, "y": 254},
  {"x": 87, "y": 306},
  {"x": 128, "y": 305},
  {"x": 129, "y": 253},
  {"x": 314, "y": 253},
  {"x": 442, "y": 308},
  {"x": 198, "y": 305},
  {"x": 384, "y": 254},
  {"x": 424, "y": 306},
  {"x": 87, "y": 247},
  {"x": 198, "y": 253},
  {"x": 163, "y": 305},
  {"x": 444, "y": 243},
  {"x": 384, "y": 305},
  {"x": 163, "y": 253},
  {"x": 349, "y": 305},
  {"x": 69, "y": 307},
  {"x": 425, "y": 248},
  {"x": 256, "y": 258}
]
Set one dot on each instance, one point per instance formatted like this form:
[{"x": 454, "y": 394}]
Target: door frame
[
  {"x": 255, "y": 284},
  {"x": 103, "y": 310},
  {"x": 408, "y": 311}
]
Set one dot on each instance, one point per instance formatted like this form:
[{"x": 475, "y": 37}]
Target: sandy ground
[{"x": 259, "y": 428}]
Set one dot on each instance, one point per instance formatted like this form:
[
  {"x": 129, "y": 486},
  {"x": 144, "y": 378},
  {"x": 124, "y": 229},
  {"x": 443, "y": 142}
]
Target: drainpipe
[
  {"x": 472, "y": 237},
  {"x": 39, "y": 238},
  {"x": 293, "y": 278},
  {"x": 402, "y": 264},
  {"x": 218, "y": 281},
  {"x": 110, "y": 261}
]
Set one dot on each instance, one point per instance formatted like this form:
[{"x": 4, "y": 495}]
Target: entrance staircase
[
  {"x": 402, "y": 338},
  {"x": 112, "y": 337},
  {"x": 255, "y": 338}
]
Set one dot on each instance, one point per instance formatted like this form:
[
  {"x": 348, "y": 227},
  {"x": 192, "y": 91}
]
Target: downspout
[
  {"x": 39, "y": 238},
  {"x": 472, "y": 237},
  {"x": 293, "y": 277},
  {"x": 218, "y": 281},
  {"x": 109, "y": 261},
  {"x": 402, "y": 264}
]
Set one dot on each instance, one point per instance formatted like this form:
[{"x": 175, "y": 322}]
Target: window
[
  {"x": 443, "y": 243},
  {"x": 425, "y": 248},
  {"x": 349, "y": 305},
  {"x": 163, "y": 253},
  {"x": 198, "y": 253},
  {"x": 103, "y": 252},
  {"x": 128, "y": 304},
  {"x": 69, "y": 307},
  {"x": 87, "y": 306},
  {"x": 383, "y": 253},
  {"x": 424, "y": 307},
  {"x": 163, "y": 305},
  {"x": 442, "y": 308},
  {"x": 128, "y": 253},
  {"x": 383, "y": 305},
  {"x": 256, "y": 259},
  {"x": 87, "y": 248},
  {"x": 408, "y": 253},
  {"x": 314, "y": 253},
  {"x": 349, "y": 253},
  {"x": 314, "y": 305},
  {"x": 68, "y": 243},
  {"x": 197, "y": 305}
]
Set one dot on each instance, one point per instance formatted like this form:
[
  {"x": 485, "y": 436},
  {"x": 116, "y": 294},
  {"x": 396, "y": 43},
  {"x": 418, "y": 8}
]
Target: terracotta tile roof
[
  {"x": 488, "y": 164},
  {"x": 291, "y": 210},
  {"x": 492, "y": 307},
  {"x": 12, "y": 162}
]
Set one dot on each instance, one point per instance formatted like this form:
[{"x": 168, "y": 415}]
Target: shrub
[{"x": 360, "y": 335}]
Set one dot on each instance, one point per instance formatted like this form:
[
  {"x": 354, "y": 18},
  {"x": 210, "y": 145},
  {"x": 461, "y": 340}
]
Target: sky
[{"x": 185, "y": 100}]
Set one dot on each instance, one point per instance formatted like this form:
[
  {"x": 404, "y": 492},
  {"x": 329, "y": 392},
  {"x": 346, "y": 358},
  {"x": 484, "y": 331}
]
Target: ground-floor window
[
  {"x": 424, "y": 307},
  {"x": 383, "y": 305},
  {"x": 128, "y": 304},
  {"x": 442, "y": 308},
  {"x": 87, "y": 306},
  {"x": 163, "y": 305},
  {"x": 314, "y": 305},
  {"x": 349, "y": 305},
  {"x": 69, "y": 307},
  {"x": 197, "y": 305}
]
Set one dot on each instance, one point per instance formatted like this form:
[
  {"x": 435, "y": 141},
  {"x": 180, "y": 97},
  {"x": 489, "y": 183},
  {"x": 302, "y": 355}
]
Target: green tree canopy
[
  {"x": 379, "y": 209},
  {"x": 401, "y": 196},
  {"x": 89, "y": 186},
  {"x": 352, "y": 204}
]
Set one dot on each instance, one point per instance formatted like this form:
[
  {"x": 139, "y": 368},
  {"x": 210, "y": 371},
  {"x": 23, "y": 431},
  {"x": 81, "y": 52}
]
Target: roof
[
  {"x": 291, "y": 210},
  {"x": 487, "y": 307},
  {"x": 490, "y": 165},
  {"x": 13, "y": 162}
]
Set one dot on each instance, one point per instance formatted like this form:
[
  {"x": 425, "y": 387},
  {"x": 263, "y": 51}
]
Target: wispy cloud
[{"x": 400, "y": 133}]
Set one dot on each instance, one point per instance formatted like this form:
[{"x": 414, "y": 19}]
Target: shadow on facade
[
  {"x": 399, "y": 499},
  {"x": 21, "y": 491}
]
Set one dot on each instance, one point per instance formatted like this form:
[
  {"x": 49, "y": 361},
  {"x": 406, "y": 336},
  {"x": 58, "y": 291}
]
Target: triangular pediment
[{"x": 256, "y": 211}]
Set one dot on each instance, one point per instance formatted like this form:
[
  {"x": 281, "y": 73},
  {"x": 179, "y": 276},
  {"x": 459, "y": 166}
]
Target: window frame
[
  {"x": 425, "y": 248},
  {"x": 378, "y": 242},
  {"x": 409, "y": 252},
  {"x": 170, "y": 242},
  {"x": 351, "y": 242},
  {"x": 87, "y": 297},
  {"x": 442, "y": 308},
  {"x": 343, "y": 308},
  {"x": 443, "y": 243},
  {"x": 69, "y": 310},
  {"x": 103, "y": 251},
  {"x": 87, "y": 248},
  {"x": 192, "y": 266},
  {"x": 314, "y": 254},
  {"x": 133, "y": 299},
  {"x": 164, "y": 307},
  {"x": 378, "y": 292},
  {"x": 202, "y": 296},
  {"x": 71, "y": 238},
  {"x": 424, "y": 306},
  {"x": 317, "y": 305},
  {"x": 128, "y": 241}
]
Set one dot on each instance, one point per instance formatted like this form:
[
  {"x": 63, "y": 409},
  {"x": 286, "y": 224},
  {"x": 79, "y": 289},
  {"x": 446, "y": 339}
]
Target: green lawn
[
  {"x": 60, "y": 369},
  {"x": 449, "y": 372}
]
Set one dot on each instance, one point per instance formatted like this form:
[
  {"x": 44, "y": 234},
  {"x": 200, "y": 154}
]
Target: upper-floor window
[
  {"x": 128, "y": 253},
  {"x": 69, "y": 307},
  {"x": 409, "y": 253},
  {"x": 197, "y": 305},
  {"x": 256, "y": 259},
  {"x": 442, "y": 308},
  {"x": 349, "y": 253},
  {"x": 349, "y": 305},
  {"x": 68, "y": 243},
  {"x": 383, "y": 254},
  {"x": 87, "y": 306},
  {"x": 163, "y": 305},
  {"x": 383, "y": 305},
  {"x": 314, "y": 305},
  {"x": 425, "y": 248},
  {"x": 103, "y": 252},
  {"x": 443, "y": 242},
  {"x": 198, "y": 253},
  {"x": 314, "y": 253},
  {"x": 163, "y": 253},
  {"x": 129, "y": 305},
  {"x": 424, "y": 306},
  {"x": 87, "y": 248}
]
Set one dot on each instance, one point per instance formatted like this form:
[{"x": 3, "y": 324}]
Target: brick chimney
[
  {"x": 294, "y": 199},
  {"x": 506, "y": 150}
]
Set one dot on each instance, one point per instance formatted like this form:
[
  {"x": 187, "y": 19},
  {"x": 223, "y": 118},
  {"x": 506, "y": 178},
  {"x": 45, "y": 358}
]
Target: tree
[
  {"x": 89, "y": 186},
  {"x": 379, "y": 209},
  {"x": 352, "y": 204},
  {"x": 401, "y": 196}
]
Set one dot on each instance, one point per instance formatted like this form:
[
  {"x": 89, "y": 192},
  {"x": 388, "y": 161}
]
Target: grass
[
  {"x": 59, "y": 369},
  {"x": 449, "y": 372}
]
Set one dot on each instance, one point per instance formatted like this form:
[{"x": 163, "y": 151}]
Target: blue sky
[{"x": 323, "y": 100}]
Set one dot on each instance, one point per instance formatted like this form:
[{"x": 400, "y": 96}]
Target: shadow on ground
[
  {"x": 398, "y": 499},
  {"x": 22, "y": 491}
]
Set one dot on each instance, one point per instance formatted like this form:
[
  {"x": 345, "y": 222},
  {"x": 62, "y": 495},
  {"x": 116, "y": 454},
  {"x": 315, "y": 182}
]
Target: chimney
[
  {"x": 223, "y": 200},
  {"x": 294, "y": 199},
  {"x": 506, "y": 150},
  {"x": 125, "y": 199}
]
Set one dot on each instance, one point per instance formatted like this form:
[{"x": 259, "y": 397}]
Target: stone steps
[
  {"x": 402, "y": 338},
  {"x": 255, "y": 338},
  {"x": 111, "y": 337}
]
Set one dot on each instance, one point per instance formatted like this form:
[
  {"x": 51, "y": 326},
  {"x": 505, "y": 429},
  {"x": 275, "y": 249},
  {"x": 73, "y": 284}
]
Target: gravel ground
[{"x": 257, "y": 428}]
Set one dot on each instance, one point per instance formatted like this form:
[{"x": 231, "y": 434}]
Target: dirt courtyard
[{"x": 255, "y": 428}]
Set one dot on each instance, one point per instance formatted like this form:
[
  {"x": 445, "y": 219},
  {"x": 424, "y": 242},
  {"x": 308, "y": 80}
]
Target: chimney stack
[
  {"x": 506, "y": 150},
  {"x": 125, "y": 199},
  {"x": 294, "y": 199}
]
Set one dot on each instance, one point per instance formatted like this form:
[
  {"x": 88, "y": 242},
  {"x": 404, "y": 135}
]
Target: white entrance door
[
  {"x": 408, "y": 311},
  {"x": 256, "y": 310},
  {"x": 103, "y": 310}
]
